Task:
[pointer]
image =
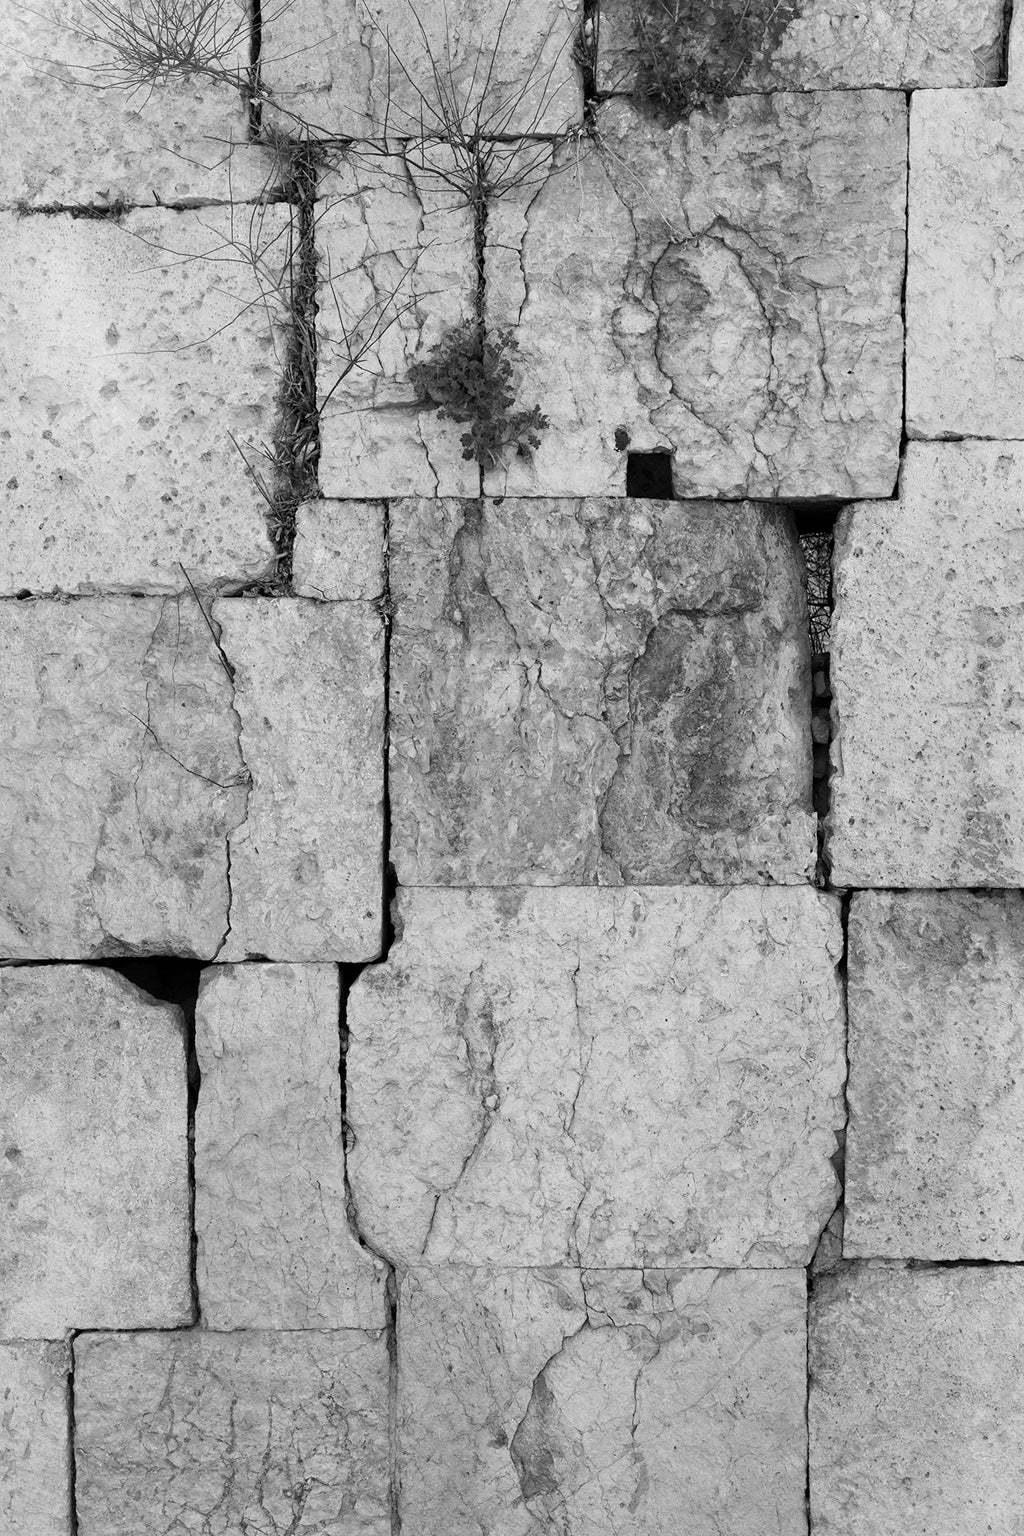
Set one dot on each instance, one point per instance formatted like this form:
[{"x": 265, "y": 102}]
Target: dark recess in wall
[{"x": 650, "y": 475}]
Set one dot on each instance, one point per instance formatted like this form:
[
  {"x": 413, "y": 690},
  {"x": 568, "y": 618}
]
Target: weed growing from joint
[{"x": 471, "y": 381}]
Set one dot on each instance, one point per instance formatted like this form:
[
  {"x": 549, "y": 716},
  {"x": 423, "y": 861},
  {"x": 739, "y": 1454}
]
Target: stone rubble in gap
[{"x": 35, "y": 1481}]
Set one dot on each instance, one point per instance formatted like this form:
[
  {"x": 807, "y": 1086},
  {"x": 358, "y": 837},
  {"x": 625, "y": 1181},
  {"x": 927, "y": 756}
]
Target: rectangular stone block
[
  {"x": 35, "y": 1450},
  {"x": 339, "y": 550},
  {"x": 594, "y": 1403},
  {"x": 927, "y": 656},
  {"x": 622, "y": 687},
  {"x": 935, "y": 1147},
  {"x": 306, "y": 861},
  {"x": 94, "y": 1174},
  {"x": 275, "y": 1247},
  {"x": 136, "y": 349},
  {"x": 916, "y": 1403},
  {"x": 728, "y": 289},
  {"x": 275, "y": 1432},
  {"x": 604, "y": 1078}
]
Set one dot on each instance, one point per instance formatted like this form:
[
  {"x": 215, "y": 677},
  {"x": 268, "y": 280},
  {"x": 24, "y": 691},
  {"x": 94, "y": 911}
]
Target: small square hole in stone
[{"x": 650, "y": 475}]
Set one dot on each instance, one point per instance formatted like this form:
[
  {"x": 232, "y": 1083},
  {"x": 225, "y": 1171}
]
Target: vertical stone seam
[
  {"x": 909, "y": 96},
  {"x": 253, "y": 101},
  {"x": 72, "y": 1459}
]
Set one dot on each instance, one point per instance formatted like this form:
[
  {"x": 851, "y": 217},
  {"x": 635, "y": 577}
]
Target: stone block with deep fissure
[{"x": 598, "y": 691}]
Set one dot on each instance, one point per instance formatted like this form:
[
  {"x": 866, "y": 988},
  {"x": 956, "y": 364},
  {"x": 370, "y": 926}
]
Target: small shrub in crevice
[
  {"x": 470, "y": 378},
  {"x": 693, "y": 53}
]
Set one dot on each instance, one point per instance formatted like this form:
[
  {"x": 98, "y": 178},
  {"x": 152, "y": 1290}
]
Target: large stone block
[
  {"x": 622, "y": 688},
  {"x": 927, "y": 656},
  {"x": 935, "y": 1150},
  {"x": 136, "y": 349},
  {"x": 275, "y": 1432},
  {"x": 728, "y": 288},
  {"x": 916, "y": 1404},
  {"x": 606, "y": 1078},
  {"x": 35, "y": 1460},
  {"x": 94, "y": 1183},
  {"x": 275, "y": 1249},
  {"x": 594, "y": 1403}
]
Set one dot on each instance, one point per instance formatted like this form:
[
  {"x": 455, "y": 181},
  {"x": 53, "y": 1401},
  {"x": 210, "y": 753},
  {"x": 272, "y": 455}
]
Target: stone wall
[{"x": 511, "y": 945}]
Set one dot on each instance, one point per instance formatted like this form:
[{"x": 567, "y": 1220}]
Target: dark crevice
[
  {"x": 72, "y": 1456},
  {"x": 649, "y": 475},
  {"x": 1004, "y": 56},
  {"x": 815, "y": 529},
  {"x": 254, "y": 104},
  {"x": 587, "y": 46}
]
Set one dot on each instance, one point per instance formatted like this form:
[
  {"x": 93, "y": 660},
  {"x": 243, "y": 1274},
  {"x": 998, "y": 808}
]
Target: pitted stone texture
[
  {"x": 599, "y": 1077},
  {"x": 208, "y": 1432},
  {"x": 339, "y": 550},
  {"x": 35, "y": 1473},
  {"x": 935, "y": 1151},
  {"x": 131, "y": 361},
  {"x": 306, "y": 863},
  {"x": 596, "y": 1403},
  {"x": 397, "y": 243},
  {"x": 917, "y": 1404},
  {"x": 732, "y": 292},
  {"x": 927, "y": 658},
  {"x": 965, "y": 300},
  {"x": 120, "y": 779},
  {"x": 815, "y": 45},
  {"x": 275, "y": 1249},
  {"x": 621, "y": 687},
  {"x": 371, "y": 68},
  {"x": 94, "y": 1186}
]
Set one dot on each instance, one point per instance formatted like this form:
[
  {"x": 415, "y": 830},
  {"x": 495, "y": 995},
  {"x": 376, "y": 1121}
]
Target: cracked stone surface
[
  {"x": 593, "y": 1403},
  {"x": 131, "y": 360},
  {"x": 621, "y": 687},
  {"x": 251, "y": 1431},
  {"x": 306, "y": 872},
  {"x": 596, "y": 1077},
  {"x": 367, "y": 70},
  {"x": 120, "y": 779},
  {"x": 396, "y": 242},
  {"x": 935, "y": 1149},
  {"x": 916, "y": 1405},
  {"x": 35, "y": 1485},
  {"x": 818, "y": 45},
  {"x": 927, "y": 657},
  {"x": 731, "y": 291},
  {"x": 94, "y": 1182},
  {"x": 339, "y": 550},
  {"x": 275, "y": 1248}
]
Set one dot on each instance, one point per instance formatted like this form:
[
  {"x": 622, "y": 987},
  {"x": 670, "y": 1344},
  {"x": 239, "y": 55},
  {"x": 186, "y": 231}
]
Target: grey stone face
[
  {"x": 35, "y": 1482},
  {"x": 339, "y": 550}
]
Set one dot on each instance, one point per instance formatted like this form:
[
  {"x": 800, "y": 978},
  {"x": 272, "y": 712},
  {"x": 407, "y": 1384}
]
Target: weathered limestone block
[
  {"x": 397, "y": 242},
  {"x": 935, "y": 1150},
  {"x": 120, "y": 779},
  {"x": 728, "y": 288},
  {"x": 927, "y": 657},
  {"x": 306, "y": 862},
  {"x": 598, "y": 691},
  {"x": 130, "y": 362},
  {"x": 594, "y": 1403},
  {"x": 94, "y": 1182},
  {"x": 339, "y": 550},
  {"x": 35, "y": 1472},
  {"x": 807, "y": 45},
  {"x": 917, "y": 1403},
  {"x": 275, "y": 1249},
  {"x": 599, "y": 1077},
  {"x": 275, "y": 1432},
  {"x": 370, "y": 68}
]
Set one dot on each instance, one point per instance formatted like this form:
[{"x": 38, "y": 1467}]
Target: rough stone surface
[
  {"x": 935, "y": 1150},
  {"x": 94, "y": 1182},
  {"x": 275, "y": 1249},
  {"x": 927, "y": 656},
  {"x": 35, "y": 1482},
  {"x": 599, "y": 1077},
  {"x": 596, "y": 1403},
  {"x": 731, "y": 290},
  {"x": 120, "y": 778},
  {"x": 816, "y": 45},
  {"x": 621, "y": 687},
  {"x": 131, "y": 361},
  {"x": 339, "y": 550},
  {"x": 397, "y": 241},
  {"x": 206, "y": 1432},
  {"x": 917, "y": 1407},
  {"x": 306, "y": 870}
]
